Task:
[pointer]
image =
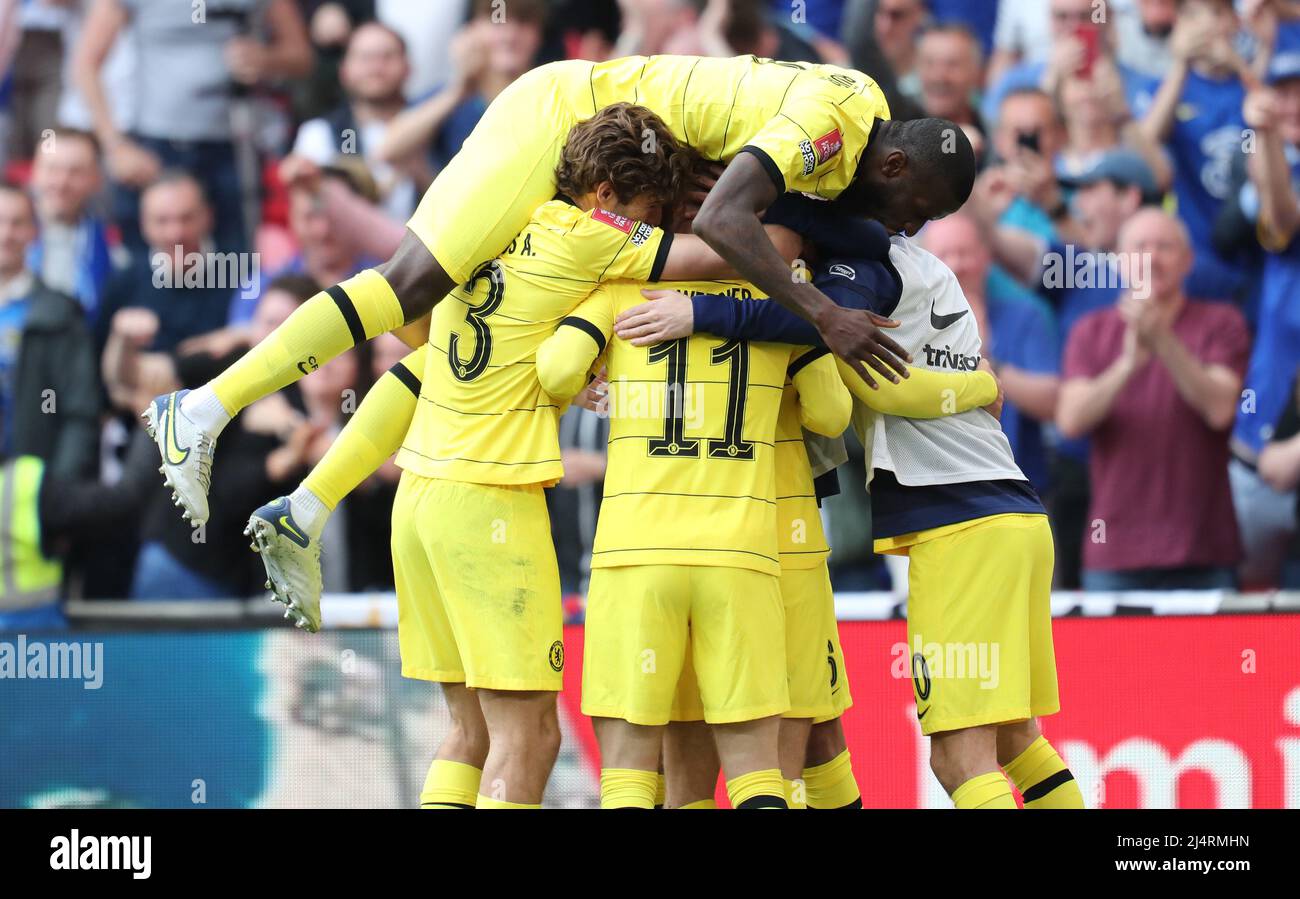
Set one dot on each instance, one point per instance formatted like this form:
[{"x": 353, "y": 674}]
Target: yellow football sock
[
  {"x": 489, "y": 802},
  {"x": 757, "y": 789},
  {"x": 450, "y": 785},
  {"x": 701, "y": 803},
  {"x": 831, "y": 784},
  {"x": 331, "y": 322},
  {"x": 372, "y": 435},
  {"x": 661, "y": 791},
  {"x": 627, "y": 788},
  {"x": 985, "y": 791},
  {"x": 1042, "y": 778},
  {"x": 796, "y": 796}
]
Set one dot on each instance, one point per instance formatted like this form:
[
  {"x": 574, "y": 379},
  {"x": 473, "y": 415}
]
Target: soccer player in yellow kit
[
  {"x": 478, "y": 589},
  {"x": 778, "y": 126},
  {"x": 819, "y": 689},
  {"x": 686, "y": 557}
]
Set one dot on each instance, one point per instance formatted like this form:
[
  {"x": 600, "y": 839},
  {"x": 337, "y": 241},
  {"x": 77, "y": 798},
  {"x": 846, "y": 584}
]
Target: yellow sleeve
[
  {"x": 825, "y": 404},
  {"x": 610, "y": 247},
  {"x": 565, "y": 358},
  {"x": 813, "y": 144},
  {"x": 926, "y": 394}
]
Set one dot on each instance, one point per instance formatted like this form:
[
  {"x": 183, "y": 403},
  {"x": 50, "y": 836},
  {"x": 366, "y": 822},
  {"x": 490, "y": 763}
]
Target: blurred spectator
[
  {"x": 949, "y": 63},
  {"x": 1196, "y": 115},
  {"x": 428, "y": 29},
  {"x": 1080, "y": 37},
  {"x": 71, "y": 254},
  {"x": 487, "y": 57},
  {"x": 1279, "y": 466},
  {"x": 38, "y": 73},
  {"x": 1023, "y": 34},
  {"x": 1155, "y": 382},
  {"x": 1267, "y": 515},
  {"x": 49, "y": 393},
  {"x": 748, "y": 27},
  {"x": 190, "y": 76},
  {"x": 656, "y": 26},
  {"x": 180, "y": 280},
  {"x": 1097, "y": 121},
  {"x": 1027, "y": 140},
  {"x": 1018, "y": 338},
  {"x": 372, "y": 72},
  {"x": 897, "y": 25},
  {"x": 1075, "y": 280},
  {"x": 1143, "y": 28},
  {"x": 330, "y": 24},
  {"x": 327, "y": 253}
]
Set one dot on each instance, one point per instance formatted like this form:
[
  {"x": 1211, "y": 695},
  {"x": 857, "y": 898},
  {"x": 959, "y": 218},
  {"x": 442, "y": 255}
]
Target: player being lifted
[
  {"x": 477, "y": 581},
  {"x": 948, "y": 493},
  {"x": 779, "y": 127}
]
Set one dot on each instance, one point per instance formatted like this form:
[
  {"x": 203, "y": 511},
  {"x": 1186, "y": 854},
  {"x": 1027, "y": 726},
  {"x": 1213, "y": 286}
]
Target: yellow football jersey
[
  {"x": 690, "y": 478},
  {"x": 482, "y": 415},
  {"x": 810, "y": 123}
]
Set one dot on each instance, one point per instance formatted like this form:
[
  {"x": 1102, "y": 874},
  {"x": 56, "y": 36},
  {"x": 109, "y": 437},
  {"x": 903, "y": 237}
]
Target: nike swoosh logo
[
  {"x": 174, "y": 453},
  {"x": 293, "y": 531},
  {"x": 939, "y": 322},
  {"x": 920, "y": 715}
]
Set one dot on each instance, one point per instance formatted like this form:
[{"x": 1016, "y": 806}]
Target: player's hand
[
  {"x": 595, "y": 396},
  {"x": 688, "y": 206},
  {"x": 994, "y": 408},
  {"x": 131, "y": 164},
  {"x": 855, "y": 336},
  {"x": 668, "y": 316}
]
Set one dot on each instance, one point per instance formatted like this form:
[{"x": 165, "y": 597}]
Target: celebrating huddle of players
[{"x": 710, "y": 638}]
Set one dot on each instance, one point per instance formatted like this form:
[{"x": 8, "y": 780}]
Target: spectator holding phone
[{"x": 1196, "y": 115}]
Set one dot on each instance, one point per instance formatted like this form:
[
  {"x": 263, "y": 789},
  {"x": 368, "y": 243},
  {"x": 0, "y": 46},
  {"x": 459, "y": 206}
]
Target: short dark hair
[
  {"x": 939, "y": 151},
  {"x": 177, "y": 176}
]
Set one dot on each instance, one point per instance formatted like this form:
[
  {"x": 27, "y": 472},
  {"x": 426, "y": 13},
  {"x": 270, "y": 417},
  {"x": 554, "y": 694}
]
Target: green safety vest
[{"x": 27, "y": 578}]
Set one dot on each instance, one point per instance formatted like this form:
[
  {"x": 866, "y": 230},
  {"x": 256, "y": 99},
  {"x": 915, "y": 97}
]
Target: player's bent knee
[{"x": 418, "y": 280}]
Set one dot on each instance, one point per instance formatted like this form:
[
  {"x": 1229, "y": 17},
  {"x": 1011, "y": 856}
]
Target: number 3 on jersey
[
  {"x": 477, "y": 363},
  {"x": 735, "y": 355}
]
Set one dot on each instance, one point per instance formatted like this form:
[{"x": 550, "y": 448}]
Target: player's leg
[
  {"x": 1031, "y": 762},
  {"x": 828, "y": 776},
  {"x": 427, "y": 642},
  {"x": 491, "y": 553},
  {"x": 690, "y": 758},
  {"x": 524, "y": 733},
  {"x": 968, "y": 616},
  {"x": 286, "y": 531},
  {"x": 691, "y": 766},
  {"x": 633, "y": 653},
  {"x": 475, "y": 206},
  {"x": 457, "y": 769},
  {"x": 814, "y": 671},
  {"x": 738, "y": 648}
]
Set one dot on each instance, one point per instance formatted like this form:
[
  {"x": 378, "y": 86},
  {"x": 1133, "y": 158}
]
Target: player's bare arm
[{"x": 728, "y": 221}]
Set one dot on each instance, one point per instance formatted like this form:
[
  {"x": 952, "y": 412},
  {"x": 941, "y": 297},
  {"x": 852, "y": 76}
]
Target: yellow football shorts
[
  {"x": 646, "y": 623},
  {"x": 818, "y": 683},
  {"x": 979, "y": 623},
  {"x": 485, "y": 195},
  {"x": 478, "y": 588}
]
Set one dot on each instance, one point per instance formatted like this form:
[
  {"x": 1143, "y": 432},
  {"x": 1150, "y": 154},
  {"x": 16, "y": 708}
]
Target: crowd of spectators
[{"x": 179, "y": 177}]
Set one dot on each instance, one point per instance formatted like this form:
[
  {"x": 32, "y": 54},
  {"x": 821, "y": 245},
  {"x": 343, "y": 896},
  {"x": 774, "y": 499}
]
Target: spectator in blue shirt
[
  {"x": 1196, "y": 115},
  {"x": 1069, "y": 55},
  {"x": 71, "y": 255},
  {"x": 1267, "y": 515}
]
